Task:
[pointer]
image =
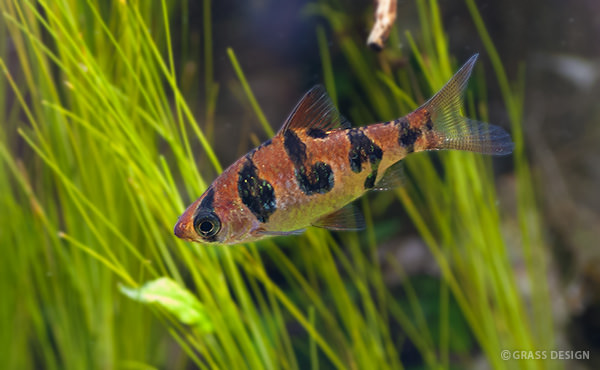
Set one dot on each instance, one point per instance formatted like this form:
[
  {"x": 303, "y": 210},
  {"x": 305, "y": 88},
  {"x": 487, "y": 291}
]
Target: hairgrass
[{"x": 99, "y": 147}]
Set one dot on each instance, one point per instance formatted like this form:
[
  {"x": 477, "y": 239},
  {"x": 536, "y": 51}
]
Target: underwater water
[{"x": 118, "y": 115}]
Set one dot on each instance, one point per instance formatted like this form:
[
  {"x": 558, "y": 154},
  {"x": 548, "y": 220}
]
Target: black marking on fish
[
  {"x": 317, "y": 133},
  {"x": 370, "y": 180},
  {"x": 250, "y": 154},
  {"x": 429, "y": 133},
  {"x": 407, "y": 136},
  {"x": 266, "y": 143},
  {"x": 208, "y": 200},
  {"x": 295, "y": 148},
  {"x": 256, "y": 193},
  {"x": 429, "y": 123},
  {"x": 319, "y": 180},
  {"x": 362, "y": 150}
]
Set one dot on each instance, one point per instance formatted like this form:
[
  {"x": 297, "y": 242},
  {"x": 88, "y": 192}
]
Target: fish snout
[{"x": 183, "y": 231}]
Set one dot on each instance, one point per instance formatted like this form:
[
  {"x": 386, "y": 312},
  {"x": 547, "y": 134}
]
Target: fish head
[{"x": 215, "y": 218}]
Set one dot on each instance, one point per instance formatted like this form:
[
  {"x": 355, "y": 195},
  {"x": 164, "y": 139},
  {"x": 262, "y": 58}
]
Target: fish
[{"x": 316, "y": 165}]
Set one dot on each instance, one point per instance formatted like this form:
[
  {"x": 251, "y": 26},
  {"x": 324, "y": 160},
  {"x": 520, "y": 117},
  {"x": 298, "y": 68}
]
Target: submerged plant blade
[{"x": 175, "y": 299}]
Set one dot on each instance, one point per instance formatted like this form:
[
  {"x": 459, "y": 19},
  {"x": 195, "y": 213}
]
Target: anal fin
[
  {"x": 393, "y": 177},
  {"x": 345, "y": 218}
]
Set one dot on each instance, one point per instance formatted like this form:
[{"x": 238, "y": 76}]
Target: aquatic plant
[{"x": 100, "y": 152}]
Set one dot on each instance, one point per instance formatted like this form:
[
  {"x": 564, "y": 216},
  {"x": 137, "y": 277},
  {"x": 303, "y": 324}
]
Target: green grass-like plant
[{"x": 100, "y": 153}]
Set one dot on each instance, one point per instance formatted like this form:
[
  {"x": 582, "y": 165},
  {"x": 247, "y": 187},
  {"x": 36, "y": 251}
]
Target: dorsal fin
[{"x": 314, "y": 110}]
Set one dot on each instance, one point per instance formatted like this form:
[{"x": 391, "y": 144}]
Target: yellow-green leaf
[{"x": 174, "y": 298}]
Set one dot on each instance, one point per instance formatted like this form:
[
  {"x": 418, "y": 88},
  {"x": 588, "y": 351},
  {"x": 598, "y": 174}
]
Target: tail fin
[{"x": 458, "y": 132}]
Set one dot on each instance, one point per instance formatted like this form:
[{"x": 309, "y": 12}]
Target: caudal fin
[{"x": 458, "y": 132}]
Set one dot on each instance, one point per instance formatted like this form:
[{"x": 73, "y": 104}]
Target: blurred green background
[{"x": 117, "y": 115}]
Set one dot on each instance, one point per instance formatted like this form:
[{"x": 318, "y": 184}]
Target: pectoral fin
[
  {"x": 282, "y": 233},
  {"x": 346, "y": 218}
]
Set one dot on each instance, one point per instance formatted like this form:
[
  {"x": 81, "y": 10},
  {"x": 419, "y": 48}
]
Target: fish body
[{"x": 316, "y": 165}]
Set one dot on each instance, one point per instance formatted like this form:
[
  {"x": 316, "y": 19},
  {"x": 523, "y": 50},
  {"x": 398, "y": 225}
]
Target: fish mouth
[{"x": 181, "y": 231}]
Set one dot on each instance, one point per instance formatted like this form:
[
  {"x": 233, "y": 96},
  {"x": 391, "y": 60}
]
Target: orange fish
[{"x": 308, "y": 174}]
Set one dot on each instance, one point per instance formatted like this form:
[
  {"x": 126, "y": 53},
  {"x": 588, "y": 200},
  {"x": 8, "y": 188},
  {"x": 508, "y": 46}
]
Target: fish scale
[{"x": 316, "y": 165}]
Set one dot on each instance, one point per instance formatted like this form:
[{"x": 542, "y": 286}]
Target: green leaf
[{"x": 174, "y": 298}]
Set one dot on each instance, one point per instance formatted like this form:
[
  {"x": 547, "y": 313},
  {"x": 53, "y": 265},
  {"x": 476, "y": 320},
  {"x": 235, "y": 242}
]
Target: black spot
[
  {"x": 250, "y": 154},
  {"x": 370, "y": 180},
  {"x": 319, "y": 180},
  {"x": 266, "y": 143},
  {"x": 295, "y": 148},
  {"x": 396, "y": 121},
  {"x": 362, "y": 150},
  {"x": 317, "y": 133},
  {"x": 209, "y": 198},
  {"x": 256, "y": 193},
  {"x": 429, "y": 124},
  {"x": 401, "y": 121},
  {"x": 407, "y": 135}
]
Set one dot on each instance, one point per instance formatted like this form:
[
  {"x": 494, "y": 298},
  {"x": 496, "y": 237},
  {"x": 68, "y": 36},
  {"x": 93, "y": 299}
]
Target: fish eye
[{"x": 207, "y": 224}]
